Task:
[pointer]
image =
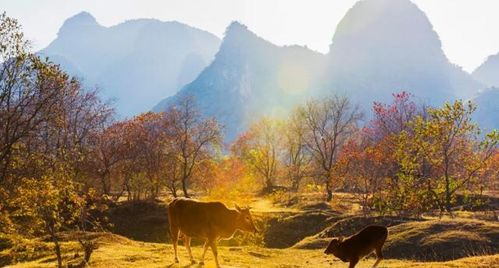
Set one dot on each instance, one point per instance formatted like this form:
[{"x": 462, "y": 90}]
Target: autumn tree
[
  {"x": 151, "y": 150},
  {"x": 46, "y": 121},
  {"x": 172, "y": 172},
  {"x": 139, "y": 171},
  {"x": 50, "y": 204},
  {"x": 296, "y": 157},
  {"x": 328, "y": 122},
  {"x": 393, "y": 118},
  {"x": 450, "y": 142},
  {"x": 361, "y": 166},
  {"x": 230, "y": 179},
  {"x": 109, "y": 149},
  {"x": 383, "y": 135},
  {"x": 193, "y": 138},
  {"x": 490, "y": 178},
  {"x": 25, "y": 97},
  {"x": 260, "y": 147}
]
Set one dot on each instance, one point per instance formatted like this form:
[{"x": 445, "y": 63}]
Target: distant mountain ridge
[
  {"x": 383, "y": 46},
  {"x": 487, "y": 113},
  {"x": 250, "y": 78},
  {"x": 380, "y": 47},
  {"x": 488, "y": 72},
  {"x": 136, "y": 62}
]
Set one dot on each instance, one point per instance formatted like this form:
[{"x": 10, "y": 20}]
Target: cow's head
[
  {"x": 333, "y": 246},
  {"x": 244, "y": 220}
]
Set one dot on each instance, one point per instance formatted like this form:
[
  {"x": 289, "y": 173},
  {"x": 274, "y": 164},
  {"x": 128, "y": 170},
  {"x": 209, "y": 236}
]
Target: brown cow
[
  {"x": 359, "y": 245},
  {"x": 208, "y": 220}
]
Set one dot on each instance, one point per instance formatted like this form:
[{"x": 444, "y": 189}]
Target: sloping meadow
[{"x": 422, "y": 240}]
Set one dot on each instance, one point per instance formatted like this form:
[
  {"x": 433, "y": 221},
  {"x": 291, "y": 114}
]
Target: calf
[
  {"x": 359, "y": 245},
  {"x": 207, "y": 220}
]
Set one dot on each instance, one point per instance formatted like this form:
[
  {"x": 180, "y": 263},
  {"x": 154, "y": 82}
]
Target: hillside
[
  {"x": 488, "y": 72},
  {"x": 117, "y": 251},
  {"x": 137, "y": 62},
  {"x": 249, "y": 78},
  {"x": 379, "y": 47},
  {"x": 487, "y": 114},
  {"x": 386, "y": 46}
]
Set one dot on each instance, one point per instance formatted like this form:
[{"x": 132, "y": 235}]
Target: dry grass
[
  {"x": 345, "y": 226},
  {"x": 406, "y": 239},
  {"x": 117, "y": 252},
  {"x": 443, "y": 239}
]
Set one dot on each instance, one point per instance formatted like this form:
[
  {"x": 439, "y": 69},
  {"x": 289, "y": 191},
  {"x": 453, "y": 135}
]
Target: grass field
[
  {"x": 115, "y": 251},
  {"x": 450, "y": 238}
]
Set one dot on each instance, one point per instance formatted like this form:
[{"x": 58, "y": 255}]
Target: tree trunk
[
  {"x": 447, "y": 195},
  {"x": 105, "y": 186},
  {"x": 173, "y": 189},
  {"x": 88, "y": 249},
  {"x": 184, "y": 188},
  {"x": 269, "y": 186},
  {"x": 57, "y": 248},
  {"x": 129, "y": 191},
  {"x": 295, "y": 184},
  {"x": 329, "y": 192}
]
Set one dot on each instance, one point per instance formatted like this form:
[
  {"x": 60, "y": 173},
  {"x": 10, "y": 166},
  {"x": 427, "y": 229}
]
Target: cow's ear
[{"x": 237, "y": 207}]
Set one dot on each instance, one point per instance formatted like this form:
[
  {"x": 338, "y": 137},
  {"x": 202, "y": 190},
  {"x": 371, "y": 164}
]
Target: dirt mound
[
  {"x": 147, "y": 221},
  {"x": 140, "y": 220},
  {"x": 99, "y": 237},
  {"x": 346, "y": 227},
  {"x": 14, "y": 248},
  {"x": 432, "y": 240},
  {"x": 285, "y": 231},
  {"x": 441, "y": 240}
]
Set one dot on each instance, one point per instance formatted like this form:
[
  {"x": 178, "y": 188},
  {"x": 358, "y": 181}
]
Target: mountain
[
  {"x": 488, "y": 72},
  {"x": 250, "y": 78},
  {"x": 380, "y": 47},
  {"x": 384, "y": 46},
  {"x": 487, "y": 113},
  {"x": 136, "y": 62}
]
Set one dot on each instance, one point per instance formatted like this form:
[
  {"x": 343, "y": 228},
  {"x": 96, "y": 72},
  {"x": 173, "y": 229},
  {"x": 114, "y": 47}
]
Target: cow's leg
[
  {"x": 379, "y": 257},
  {"x": 174, "y": 231},
  {"x": 205, "y": 248},
  {"x": 353, "y": 262},
  {"x": 213, "y": 245},
  {"x": 187, "y": 240}
]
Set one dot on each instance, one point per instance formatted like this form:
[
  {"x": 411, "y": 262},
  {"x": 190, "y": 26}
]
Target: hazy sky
[{"x": 468, "y": 28}]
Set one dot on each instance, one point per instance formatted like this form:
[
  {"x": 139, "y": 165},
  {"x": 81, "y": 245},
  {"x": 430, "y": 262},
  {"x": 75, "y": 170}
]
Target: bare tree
[
  {"x": 329, "y": 122},
  {"x": 192, "y": 137},
  {"x": 296, "y": 156}
]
